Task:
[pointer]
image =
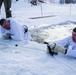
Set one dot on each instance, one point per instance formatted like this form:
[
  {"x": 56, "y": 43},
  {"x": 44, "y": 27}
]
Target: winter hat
[
  {"x": 2, "y": 21},
  {"x": 74, "y": 30}
]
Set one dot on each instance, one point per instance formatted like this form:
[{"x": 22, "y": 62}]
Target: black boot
[
  {"x": 49, "y": 49},
  {"x": 33, "y": 2},
  {"x": 8, "y": 14}
]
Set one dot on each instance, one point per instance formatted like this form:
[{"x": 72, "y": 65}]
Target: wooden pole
[
  {"x": 70, "y": 7},
  {"x": 41, "y": 10}
]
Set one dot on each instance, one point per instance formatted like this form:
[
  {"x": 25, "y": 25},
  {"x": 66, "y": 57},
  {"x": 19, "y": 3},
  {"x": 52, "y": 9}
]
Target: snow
[{"x": 31, "y": 58}]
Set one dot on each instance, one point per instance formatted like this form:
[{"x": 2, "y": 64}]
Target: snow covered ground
[{"x": 31, "y": 58}]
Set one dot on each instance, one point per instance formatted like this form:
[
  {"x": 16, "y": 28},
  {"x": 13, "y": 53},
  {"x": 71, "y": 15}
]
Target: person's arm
[
  {"x": 5, "y": 33},
  {"x": 7, "y": 36},
  {"x": 64, "y": 42},
  {"x": 17, "y": 36},
  {"x": 71, "y": 52}
]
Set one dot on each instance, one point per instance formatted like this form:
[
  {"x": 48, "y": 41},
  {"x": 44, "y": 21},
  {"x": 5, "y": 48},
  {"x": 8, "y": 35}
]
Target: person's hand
[{"x": 7, "y": 36}]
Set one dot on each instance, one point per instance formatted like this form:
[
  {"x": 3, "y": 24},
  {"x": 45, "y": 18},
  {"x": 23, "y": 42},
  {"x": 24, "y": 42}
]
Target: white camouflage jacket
[
  {"x": 69, "y": 44},
  {"x": 16, "y": 30}
]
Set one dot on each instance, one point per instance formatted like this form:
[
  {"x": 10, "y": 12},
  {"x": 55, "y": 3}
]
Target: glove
[{"x": 7, "y": 36}]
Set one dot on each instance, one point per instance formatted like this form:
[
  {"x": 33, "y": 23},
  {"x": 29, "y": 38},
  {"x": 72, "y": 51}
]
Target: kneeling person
[{"x": 10, "y": 29}]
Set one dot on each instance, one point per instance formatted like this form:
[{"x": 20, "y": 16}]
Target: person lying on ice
[
  {"x": 66, "y": 46},
  {"x": 10, "y": 29}
]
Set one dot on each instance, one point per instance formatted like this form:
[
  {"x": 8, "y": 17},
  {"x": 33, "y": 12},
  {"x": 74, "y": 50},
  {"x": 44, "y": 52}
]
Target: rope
[{"x": 66, "y": 64}]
